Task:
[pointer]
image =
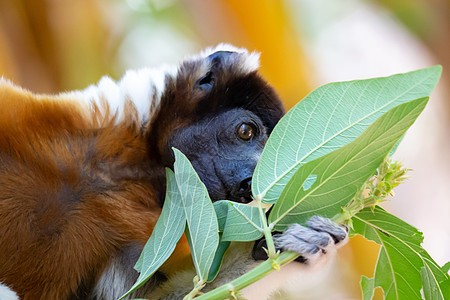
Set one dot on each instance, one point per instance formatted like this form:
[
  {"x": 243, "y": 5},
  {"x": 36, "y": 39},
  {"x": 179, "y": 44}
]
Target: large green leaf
[
  {"x": 403, "y": 266},
  {"x": 202, "y": 228},
  {"x": 341, "y": 173},
  {"x": 329, "y": 118},
  {"x": 165, "y": 236}
]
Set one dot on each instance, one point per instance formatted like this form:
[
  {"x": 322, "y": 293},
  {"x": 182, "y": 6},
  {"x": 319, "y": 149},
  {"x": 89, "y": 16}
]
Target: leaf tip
[
  {"x": 446, "y": 267},
  {"x": 437, "y": 69},
  {"x": 367, "y": 287},
  {"x": 175, "y": 151}
]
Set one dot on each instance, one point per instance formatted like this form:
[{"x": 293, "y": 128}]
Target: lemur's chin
[{"x": 246, "y": 199}]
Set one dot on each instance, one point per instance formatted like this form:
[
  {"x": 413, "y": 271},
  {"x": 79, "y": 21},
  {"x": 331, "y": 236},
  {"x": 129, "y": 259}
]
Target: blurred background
[{"x": 50, "y": 46}]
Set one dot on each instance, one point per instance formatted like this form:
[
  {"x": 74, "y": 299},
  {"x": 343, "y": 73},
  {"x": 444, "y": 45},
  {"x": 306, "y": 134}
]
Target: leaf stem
[
  {"x": 197, "y": 288},
  {"x": 263, "y": 269},
  {"x": 267, "y": 231}
]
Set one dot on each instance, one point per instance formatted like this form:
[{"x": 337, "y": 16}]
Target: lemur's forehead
[{"x": 238, "y": 60}]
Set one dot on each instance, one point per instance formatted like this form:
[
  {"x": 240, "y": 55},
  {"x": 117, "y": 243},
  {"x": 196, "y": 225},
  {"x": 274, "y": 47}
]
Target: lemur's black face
[
  {"x": 219, "y": 112},
  {"x": 224, "y": 150}
]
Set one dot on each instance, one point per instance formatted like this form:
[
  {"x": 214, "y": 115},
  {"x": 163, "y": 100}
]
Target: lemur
[{"x": 82, "y": 175}]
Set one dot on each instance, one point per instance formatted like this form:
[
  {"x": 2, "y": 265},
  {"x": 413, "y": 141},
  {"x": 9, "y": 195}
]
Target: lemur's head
[{"x": 219, "y": 112}]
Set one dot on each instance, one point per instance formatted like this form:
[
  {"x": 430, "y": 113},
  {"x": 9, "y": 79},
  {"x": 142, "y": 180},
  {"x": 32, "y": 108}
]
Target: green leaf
[
  {"x": 341, "y": 173},
  {"x": 395, "y": 147},
  {"x": 431, "y": 290},
  {"x": 446, "y": 267},
  {"x": 202, "y": 228},
  {"x": 165, "y": 236},
  {"x": 367, "y": 287},
  {"x": 138, "y": 264},
  {"x": 239, "y": 222},
  {"x": 329, "y": 118},
  {"x": 218, "y": 258},
  {"x": 445, "y": 287},
  {"x": 243, "y": 223},
  {"x": 221, "y": 208},
  {"x": 403, "y": 266}
]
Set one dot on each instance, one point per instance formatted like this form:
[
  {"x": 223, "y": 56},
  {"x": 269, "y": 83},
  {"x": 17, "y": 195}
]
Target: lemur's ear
[
  {"x": 217, "y": 59},
  {"x": 219, "y": 56},
  {"x": 206, "y": 82}
]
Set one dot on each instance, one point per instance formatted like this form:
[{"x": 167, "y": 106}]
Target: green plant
[{"x": 327, "y": 156}]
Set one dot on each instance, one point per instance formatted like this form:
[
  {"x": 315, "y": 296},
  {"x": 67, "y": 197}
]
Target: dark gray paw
[{"x": 320, "y": 236}]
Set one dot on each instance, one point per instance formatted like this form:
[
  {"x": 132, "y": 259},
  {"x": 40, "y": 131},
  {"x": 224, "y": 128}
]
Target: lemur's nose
[{"x": 219, "y": 55}]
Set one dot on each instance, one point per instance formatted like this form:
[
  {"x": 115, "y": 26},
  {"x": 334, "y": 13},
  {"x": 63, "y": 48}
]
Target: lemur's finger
[
  {"x": 302, "y": 240},
  {"x": 337, "y": 232}
]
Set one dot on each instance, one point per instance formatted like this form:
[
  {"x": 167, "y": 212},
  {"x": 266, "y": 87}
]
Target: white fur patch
[
  {"x": 6, "y": 293},
  {"x": 249, "y": 61},
  {"x": 113, "y": 282},
  {"x": 144, "y": 87}
]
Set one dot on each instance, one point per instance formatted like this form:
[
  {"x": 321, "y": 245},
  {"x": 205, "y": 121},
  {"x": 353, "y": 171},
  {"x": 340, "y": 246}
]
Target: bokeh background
[{"x": 50, "y": 46}]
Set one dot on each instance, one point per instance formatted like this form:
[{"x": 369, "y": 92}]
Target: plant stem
[
  {"x": 267, "y": 231},
  {"x": 265, "y": 268},
  {"x": 375, "y": 190},
  {"x": 348, "y": 212}
]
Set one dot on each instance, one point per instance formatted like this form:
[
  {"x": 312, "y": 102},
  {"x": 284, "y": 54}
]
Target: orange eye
[{"x": 246, "y": 131}]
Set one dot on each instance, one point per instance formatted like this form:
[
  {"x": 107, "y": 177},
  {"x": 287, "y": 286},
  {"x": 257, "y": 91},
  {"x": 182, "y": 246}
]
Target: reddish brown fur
[{"x": 66, "y": 198}]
